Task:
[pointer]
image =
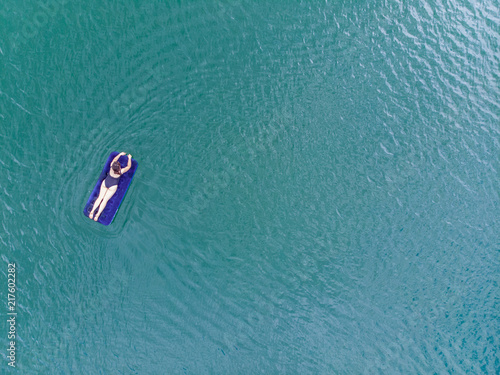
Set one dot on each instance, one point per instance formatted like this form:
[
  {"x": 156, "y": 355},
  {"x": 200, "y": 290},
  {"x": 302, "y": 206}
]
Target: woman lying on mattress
[{"x": 110, "y": 185}]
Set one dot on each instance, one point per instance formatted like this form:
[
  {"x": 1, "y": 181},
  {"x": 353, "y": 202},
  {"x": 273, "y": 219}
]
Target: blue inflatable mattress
[{"x": 109, "y": 212}]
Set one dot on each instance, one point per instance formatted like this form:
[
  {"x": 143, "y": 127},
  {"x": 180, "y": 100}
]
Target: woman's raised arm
[
  {"x": 117, "y": 157},
  {"x": 129, "y": 164}
]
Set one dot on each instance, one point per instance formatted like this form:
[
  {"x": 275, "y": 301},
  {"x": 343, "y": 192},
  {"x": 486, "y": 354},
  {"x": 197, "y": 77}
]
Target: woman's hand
[
  {"x": 129, "y": 156},
  {"x": 122, "y": 153}
]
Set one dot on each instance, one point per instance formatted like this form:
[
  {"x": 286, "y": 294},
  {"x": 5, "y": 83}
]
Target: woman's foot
[
  {"x": 91, "y": 215},
  {"x": 96, "y": 218}
]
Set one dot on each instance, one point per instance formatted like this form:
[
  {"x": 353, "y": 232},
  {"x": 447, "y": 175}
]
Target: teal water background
[{"x": 317, "y": 190}]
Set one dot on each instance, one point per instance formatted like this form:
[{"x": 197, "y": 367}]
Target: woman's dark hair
[{"x": 116, "y": 167}]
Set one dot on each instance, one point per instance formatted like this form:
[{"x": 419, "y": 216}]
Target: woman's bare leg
[
  {"x": 99, "y": 199},
  {"x": 109, "y": 193}
]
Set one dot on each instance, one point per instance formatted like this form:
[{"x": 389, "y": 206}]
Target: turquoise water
[{"x": 317, "y": 190}]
